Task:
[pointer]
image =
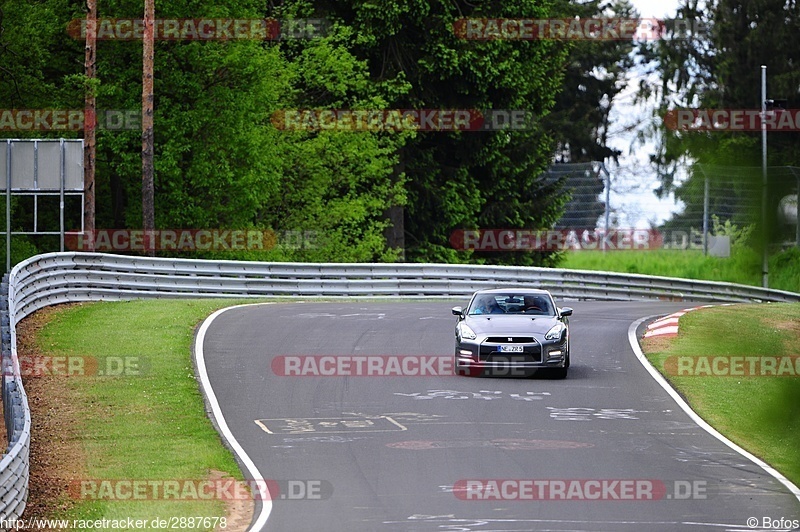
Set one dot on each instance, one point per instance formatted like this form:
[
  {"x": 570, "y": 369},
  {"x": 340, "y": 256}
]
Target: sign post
[{"x": 37, "y": 168}]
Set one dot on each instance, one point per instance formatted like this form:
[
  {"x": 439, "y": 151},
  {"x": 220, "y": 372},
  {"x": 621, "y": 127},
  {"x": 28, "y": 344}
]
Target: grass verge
[
  {"x": 147, "y": 424},
  {"x": 760, "y": 413},
  {"x": 743, "y": 267}
]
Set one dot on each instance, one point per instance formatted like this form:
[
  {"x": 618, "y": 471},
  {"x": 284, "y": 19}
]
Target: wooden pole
[
  {"x": 90, "y": 124},
  {"x": 148, "y": 200}
]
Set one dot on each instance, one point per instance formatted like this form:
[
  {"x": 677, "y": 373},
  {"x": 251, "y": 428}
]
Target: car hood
[{"x": 502, "y": 325}]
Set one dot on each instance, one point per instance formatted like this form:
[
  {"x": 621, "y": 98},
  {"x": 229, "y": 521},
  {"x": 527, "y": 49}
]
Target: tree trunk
[
  {"x": 395, "y": 233},
  {"x": 90, "y": 124},
  {"x": 148, "y": 200}
]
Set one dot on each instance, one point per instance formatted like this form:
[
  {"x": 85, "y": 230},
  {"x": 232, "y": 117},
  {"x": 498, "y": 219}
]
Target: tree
[
  {"x": 148, "y": 194},
  {"x": 594, "y": 75},
  {"x": 460, "y": 179},
  {"x": 220, "y": 161},
  {"x": 717, "y": 66},
  {"x": 89, "y": 134}
]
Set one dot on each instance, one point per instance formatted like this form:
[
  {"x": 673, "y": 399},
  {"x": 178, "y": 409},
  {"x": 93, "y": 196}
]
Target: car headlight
[
  {"x": 555, "y": 332},
  {"x": 465, "y": 332}
]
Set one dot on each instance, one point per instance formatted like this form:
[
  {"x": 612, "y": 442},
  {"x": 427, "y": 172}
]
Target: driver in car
[
  {"x": 488, "y": 305},
  {"x": 532, "y": 305}
]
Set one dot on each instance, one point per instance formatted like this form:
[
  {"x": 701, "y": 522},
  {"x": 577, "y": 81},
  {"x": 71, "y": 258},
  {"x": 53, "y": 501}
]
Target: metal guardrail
[
  {"x": 15, "y": 465},
  {"x": 63, "y": 277}
]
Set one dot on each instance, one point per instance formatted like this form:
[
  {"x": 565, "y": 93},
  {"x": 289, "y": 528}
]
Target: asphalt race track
[{"x": 609, "y": 449}]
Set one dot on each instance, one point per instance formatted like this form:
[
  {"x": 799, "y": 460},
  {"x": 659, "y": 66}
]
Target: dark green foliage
[
  {"x": 719, "y": 67},
  {"x": 220, "y": 162}
]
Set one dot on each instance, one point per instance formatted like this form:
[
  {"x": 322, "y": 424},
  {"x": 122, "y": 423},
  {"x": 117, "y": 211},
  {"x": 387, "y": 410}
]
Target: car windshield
[{"x": 510, "y": 303}]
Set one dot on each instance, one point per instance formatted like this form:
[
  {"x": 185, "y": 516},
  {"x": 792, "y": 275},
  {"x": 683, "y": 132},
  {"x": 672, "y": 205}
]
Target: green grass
[
  {"x": 744, "y": 266},
  {"x": 759, "y": 413},
  {"x": 149, "y": 426}
]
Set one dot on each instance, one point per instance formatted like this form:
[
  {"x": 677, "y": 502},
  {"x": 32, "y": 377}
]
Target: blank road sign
[{"x": 37, "y": 164}]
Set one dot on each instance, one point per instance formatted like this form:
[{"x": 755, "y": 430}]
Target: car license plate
[{"x": 511, "y": 349}]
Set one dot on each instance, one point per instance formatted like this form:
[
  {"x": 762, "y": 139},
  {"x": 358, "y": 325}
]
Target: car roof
[{"x": 521, "y": 291}]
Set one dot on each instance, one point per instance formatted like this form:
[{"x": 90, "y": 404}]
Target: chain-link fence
[
  {"x": 714, "y": 195},
  {"x": 588, "y": 187},
  {"x": 749, "y": 196}
]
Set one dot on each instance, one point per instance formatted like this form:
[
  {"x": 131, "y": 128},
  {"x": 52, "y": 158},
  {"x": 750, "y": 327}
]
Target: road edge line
[
  {"x": 659, "y": 378},
  {"x": 219, "y": 418}
]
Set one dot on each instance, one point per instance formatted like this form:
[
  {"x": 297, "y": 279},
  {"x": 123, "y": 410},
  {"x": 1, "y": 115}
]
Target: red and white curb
[{"x": 667, "y": 326}]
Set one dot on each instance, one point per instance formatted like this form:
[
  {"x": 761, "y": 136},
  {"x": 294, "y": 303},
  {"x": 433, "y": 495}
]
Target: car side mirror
[
  {"x": 566, "y": 311},
  {"x": 458, "y": 311}
]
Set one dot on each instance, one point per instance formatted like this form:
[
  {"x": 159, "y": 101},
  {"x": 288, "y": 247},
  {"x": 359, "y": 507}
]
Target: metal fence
[
  {"x": 600, "y": 198},
  {"x": 63, "y": 277},
  {"x": 736, "y": 193},
  {"x": 15, "y": 465},
  {"x": 588, "y": 186}
]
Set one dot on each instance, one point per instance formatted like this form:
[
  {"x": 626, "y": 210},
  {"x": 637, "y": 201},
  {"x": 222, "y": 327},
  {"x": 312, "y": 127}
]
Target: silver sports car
[{"x": 515, "y": 331}]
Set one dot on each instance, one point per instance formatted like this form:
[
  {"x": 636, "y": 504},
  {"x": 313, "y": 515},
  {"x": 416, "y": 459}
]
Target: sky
[
  {"x": 634, "y": 180},
  {"x": 656, "y": 8}
]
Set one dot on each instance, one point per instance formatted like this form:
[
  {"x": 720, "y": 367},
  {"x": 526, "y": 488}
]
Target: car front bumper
[{"x": 486, "y": 354}]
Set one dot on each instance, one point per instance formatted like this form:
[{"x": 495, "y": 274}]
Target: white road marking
[
  {"x": 222, "y": 424},
  {"x": 328, "y": 425},
  {"x": 367, "y": 315},
  {"x": 692, "y": 414}
]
